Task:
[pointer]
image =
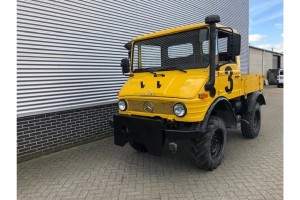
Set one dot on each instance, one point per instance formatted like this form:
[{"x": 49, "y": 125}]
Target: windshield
[
  {"x": 185, "y": 50},
  {"x": 281, "y": 72}
]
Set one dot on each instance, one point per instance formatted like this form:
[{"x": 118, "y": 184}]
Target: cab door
[
  {"x": 229, "y": 80},
  {"x": 228, "y": 74}
]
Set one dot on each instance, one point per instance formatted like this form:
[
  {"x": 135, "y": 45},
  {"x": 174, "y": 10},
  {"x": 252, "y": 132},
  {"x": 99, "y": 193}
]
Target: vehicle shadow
[{"x": 181, "y": 160}]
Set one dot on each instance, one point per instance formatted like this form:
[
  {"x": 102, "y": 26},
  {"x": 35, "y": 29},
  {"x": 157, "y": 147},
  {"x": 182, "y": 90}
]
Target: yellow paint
[{"x": 177, "y": 86}]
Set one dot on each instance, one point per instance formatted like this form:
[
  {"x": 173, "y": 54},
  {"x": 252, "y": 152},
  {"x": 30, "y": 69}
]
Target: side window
[
  {"x": 281, "y": 72},
  {"x": 181, "y": 50}
]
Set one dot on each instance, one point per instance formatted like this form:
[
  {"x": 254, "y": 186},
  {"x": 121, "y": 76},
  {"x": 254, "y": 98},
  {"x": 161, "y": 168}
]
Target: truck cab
[{"x": 185, "y": 83}]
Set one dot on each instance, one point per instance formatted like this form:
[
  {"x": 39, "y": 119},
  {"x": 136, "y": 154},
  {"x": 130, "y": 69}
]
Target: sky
[{"x": 266, "y": 24}]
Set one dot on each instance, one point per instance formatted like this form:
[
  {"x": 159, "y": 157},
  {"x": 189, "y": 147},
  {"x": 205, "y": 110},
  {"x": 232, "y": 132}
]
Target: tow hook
[{"x": 173, "y": 147}]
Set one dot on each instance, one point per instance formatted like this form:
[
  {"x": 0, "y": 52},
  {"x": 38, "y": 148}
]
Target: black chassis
[{"x": 151, "y": 132}]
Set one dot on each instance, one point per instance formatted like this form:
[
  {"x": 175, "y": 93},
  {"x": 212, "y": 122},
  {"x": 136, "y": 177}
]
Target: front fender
[{"x": 222, "y": 108}]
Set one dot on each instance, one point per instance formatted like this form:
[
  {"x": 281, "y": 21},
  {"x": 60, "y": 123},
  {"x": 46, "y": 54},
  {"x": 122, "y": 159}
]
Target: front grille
[{"x": 159, "y": 107}]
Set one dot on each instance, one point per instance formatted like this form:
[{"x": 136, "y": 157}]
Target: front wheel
[
  {"x": 251, "y": 123},
  {"x": 208, "y": 149}
]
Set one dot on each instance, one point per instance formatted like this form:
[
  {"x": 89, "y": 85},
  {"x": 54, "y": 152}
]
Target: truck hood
[{"x": 183, "y": 85}]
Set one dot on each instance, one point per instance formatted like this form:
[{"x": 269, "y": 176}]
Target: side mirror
[
  {"x": 234, "y": 45},
  {"x": 125, "y": 65}
]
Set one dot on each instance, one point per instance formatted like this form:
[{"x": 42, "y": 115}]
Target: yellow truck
[{"x": 185, "y": 83}]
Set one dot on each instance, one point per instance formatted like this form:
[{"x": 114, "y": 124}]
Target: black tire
[
  {"x": 251, "y": 127},
  {"x": 208, "y": 149},
  {"x": 138, "y": 147}
]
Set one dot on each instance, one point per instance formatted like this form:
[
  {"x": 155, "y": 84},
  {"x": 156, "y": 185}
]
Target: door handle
[{"x": 236, "y": 76}]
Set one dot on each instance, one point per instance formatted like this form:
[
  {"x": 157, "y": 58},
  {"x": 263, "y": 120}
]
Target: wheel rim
[
  {"x": 256, "y": 122},
  {"x": 216, "y": 144}
]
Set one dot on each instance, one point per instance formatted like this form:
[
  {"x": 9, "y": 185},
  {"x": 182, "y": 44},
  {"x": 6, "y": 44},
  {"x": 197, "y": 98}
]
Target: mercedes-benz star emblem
[{"x": 148, "y": 107}]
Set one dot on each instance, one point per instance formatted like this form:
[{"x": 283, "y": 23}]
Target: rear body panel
[{"x": 251, "y": 83}]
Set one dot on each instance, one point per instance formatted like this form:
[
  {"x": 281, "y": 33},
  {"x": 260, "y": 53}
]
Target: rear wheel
[
  {"x": 208, "y": 149},
  {"x": 251, "y": 125},
  {"x": 138, "y": 146}
]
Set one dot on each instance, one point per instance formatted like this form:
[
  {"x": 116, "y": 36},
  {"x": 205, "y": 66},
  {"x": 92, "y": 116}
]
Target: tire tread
[
  {"x": 247, "y": 129},
  {"x": 200, "y": 150}
]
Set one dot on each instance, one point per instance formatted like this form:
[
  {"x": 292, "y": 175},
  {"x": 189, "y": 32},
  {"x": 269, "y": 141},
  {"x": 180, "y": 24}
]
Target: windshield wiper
[
  {"x": 151, "y": 70},
  {"x": 172, "y": 68}
]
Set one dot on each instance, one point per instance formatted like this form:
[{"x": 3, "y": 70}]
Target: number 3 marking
[{"x": 229, "y": 70}]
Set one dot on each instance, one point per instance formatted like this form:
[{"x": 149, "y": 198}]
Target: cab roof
[{"x": 175, "y": 30}]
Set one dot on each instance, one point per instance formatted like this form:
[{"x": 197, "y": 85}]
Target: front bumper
[{"x": 147, "y": 131}]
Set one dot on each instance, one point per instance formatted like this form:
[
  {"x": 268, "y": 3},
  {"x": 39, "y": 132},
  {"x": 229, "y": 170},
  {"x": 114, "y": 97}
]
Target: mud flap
[{"x": 141, "y": 130}]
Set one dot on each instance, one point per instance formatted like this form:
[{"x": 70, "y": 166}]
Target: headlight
[
  {"x": 122, "y": 105},
  {"x": 179, "y": 109}
]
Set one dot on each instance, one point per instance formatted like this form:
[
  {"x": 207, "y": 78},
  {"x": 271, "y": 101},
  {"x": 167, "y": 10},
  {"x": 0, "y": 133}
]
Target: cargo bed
[{"x": 249, "y": 83}]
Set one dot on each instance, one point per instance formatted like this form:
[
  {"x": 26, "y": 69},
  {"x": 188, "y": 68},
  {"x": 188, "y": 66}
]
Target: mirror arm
[{"x": 129, "y": 74}]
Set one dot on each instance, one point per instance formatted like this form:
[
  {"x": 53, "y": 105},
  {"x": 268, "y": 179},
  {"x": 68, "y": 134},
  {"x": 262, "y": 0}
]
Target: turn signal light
[{"x": 203, "y": 96}]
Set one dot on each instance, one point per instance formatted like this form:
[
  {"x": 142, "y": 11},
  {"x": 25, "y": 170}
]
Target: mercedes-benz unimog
[{"x": 185, "y": 83}]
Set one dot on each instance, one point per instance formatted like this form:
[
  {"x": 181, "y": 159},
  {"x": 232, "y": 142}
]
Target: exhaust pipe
[
  {"x": 173, "y": 147},
  {"x": 210, "y": 85}
]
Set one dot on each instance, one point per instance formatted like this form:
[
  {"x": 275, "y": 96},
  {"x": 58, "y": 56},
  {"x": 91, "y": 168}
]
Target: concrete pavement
[{"x": 251, "y": 169}]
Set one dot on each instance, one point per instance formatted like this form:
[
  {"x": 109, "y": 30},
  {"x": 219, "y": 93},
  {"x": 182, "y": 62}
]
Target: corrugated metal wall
[{"x": 69, "y": 51}]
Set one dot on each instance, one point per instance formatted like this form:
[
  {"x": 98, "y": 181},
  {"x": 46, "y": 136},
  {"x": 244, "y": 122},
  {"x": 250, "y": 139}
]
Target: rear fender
[{"x": 253, "y": 98}]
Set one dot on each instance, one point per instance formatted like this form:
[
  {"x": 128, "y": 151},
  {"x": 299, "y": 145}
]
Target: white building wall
[
  {"x": 261, "y": 61},
  {"x": 68, "y": 52},
  {"x": 255, "y": 61}
]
